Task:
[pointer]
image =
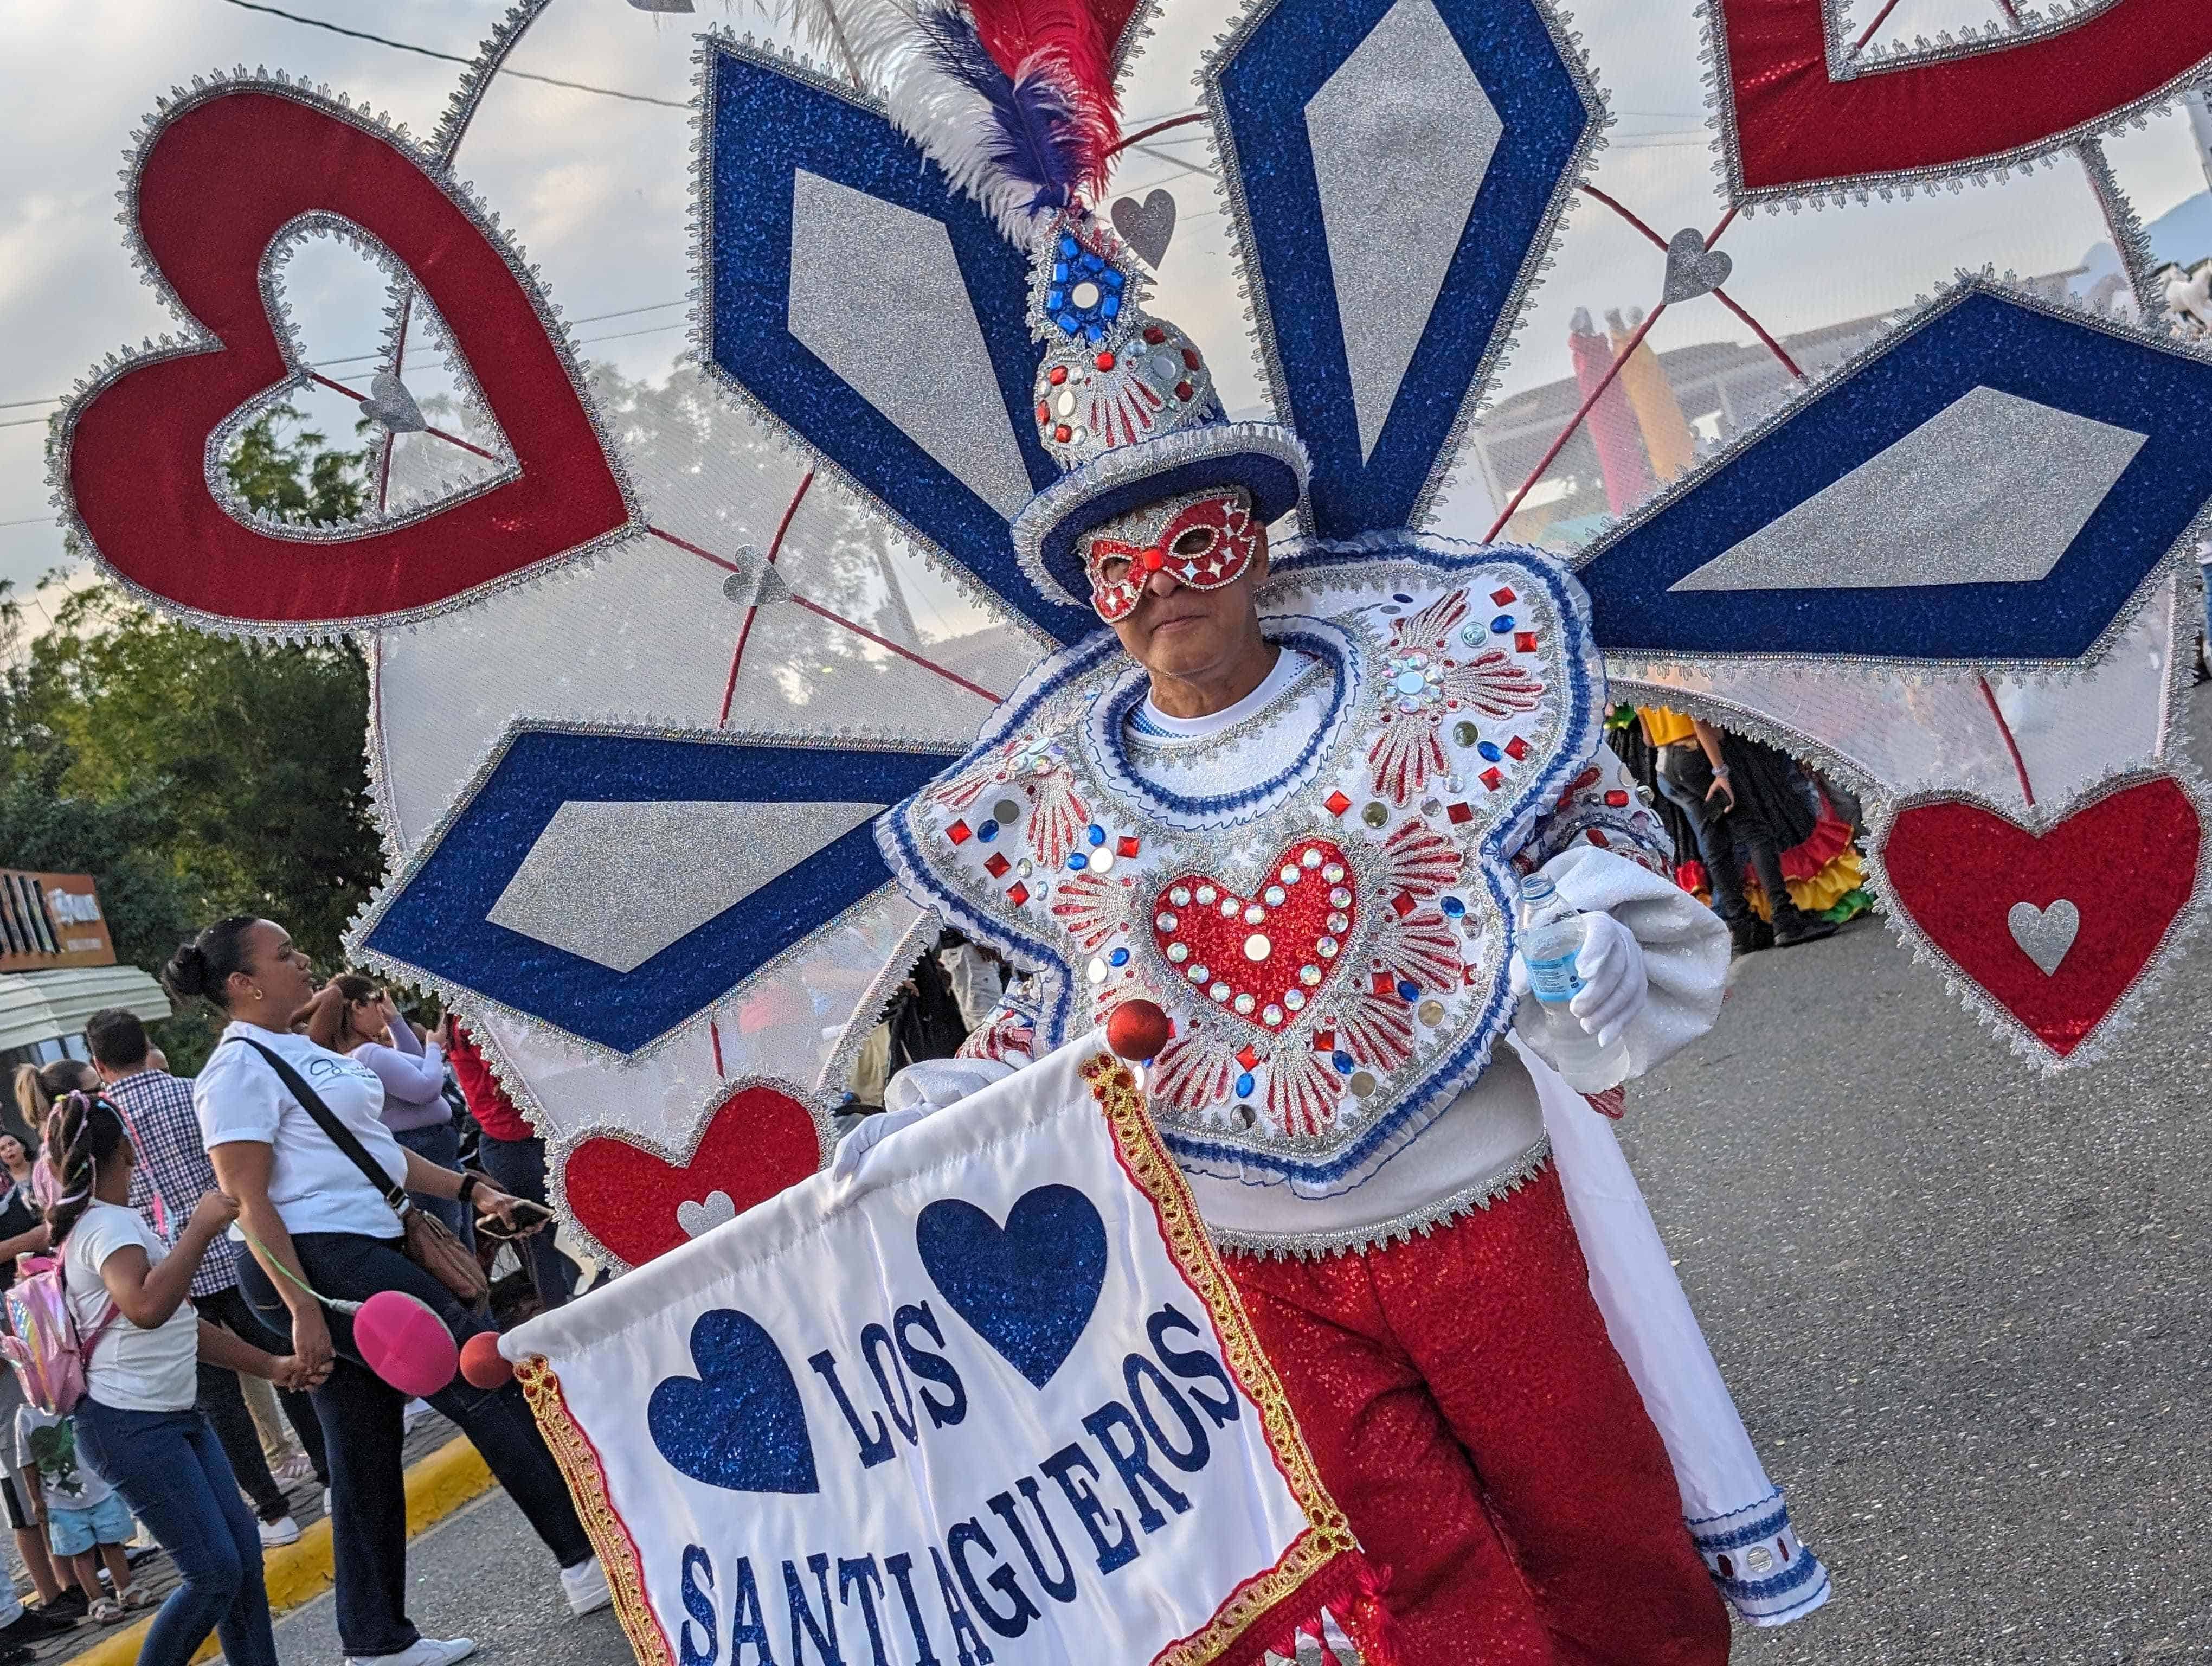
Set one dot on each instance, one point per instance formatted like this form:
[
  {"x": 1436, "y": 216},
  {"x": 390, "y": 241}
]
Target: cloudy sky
[{"x": 595, "y": 188}]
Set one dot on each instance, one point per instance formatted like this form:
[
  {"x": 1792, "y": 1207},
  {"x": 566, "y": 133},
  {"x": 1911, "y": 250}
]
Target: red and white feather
[
  {"x": 1301, "y": 1093},
  {"x": 1088, "y": 909},
  {"x": 1418, "y": 860},
  {"x": 1494, "y": 683}
]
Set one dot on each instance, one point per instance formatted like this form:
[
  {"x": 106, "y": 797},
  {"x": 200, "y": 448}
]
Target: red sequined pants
[{"x": 1472, "y": 1419}]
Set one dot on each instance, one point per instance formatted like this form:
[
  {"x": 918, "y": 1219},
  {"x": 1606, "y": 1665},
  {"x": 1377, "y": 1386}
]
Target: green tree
[{"x": 200, "y": 775}]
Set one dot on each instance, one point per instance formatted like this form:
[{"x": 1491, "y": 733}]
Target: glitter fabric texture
[{"x": 1470, "y": 1369}]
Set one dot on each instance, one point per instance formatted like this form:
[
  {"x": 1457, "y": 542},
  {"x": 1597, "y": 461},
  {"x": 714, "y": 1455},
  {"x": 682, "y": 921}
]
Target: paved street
[{"x": 1964, "y": 1311}]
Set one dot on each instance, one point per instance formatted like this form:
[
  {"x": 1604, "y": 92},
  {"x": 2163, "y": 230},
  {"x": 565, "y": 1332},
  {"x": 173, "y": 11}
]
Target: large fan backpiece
[{"x": 1953, "y": 568}]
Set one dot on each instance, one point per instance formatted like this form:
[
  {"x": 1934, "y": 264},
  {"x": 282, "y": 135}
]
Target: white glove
[
  {"x": 917, "y": 1092},
  {"x": 1610, "y": 964}
]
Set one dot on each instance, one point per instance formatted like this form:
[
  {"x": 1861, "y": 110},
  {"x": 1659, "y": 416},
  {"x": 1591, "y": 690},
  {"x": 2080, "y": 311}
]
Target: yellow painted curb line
[{"x": 437, "y": 1485}]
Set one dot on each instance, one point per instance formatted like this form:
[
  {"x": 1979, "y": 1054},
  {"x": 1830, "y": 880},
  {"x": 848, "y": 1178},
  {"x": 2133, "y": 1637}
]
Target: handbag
[{"x": 429, "y": 1242}]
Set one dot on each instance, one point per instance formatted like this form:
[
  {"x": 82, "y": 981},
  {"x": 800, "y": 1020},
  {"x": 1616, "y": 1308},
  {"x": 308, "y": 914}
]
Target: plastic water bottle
[{"x": 1552, "y": 935}]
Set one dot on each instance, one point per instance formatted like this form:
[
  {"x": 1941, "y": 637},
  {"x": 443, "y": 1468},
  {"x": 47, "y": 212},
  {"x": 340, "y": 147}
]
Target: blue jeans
[
  {"x": 360, "y": 1417},
  {"x": 441, "y": 1143},
  {"x": 170, "y": 1469}
]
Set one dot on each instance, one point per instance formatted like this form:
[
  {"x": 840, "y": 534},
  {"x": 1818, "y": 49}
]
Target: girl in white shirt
[{"x": 136, "y": 1424}]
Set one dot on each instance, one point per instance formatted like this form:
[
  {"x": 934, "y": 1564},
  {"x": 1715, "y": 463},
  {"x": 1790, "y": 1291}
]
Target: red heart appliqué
[
  {"x": 2127, "y": 862},
  {"x": 224, "y": 175},
  {"x": 758, "y": 1141},
  {"x": 1262, "y": 958},
  {"x": 1798, "y": 127}
]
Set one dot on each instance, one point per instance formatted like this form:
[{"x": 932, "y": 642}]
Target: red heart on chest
[
  {"x": 636, "y": 1202},
  {"x": 2055, "y": 927},
  {"x": 1797, "y": 124},
  {"x": 1263, "y": 958},
  {"x": 224, "y": 177}
]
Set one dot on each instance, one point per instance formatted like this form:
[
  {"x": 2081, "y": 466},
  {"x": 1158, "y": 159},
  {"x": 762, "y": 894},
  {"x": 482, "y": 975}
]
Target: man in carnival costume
[{"x": 1292, "y": 806}]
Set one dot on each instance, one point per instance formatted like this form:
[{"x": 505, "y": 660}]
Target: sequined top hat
[{"x": 1125, "y": 404}]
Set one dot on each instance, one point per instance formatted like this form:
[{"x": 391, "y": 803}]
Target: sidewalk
[{"x": 443, "y": 1473}]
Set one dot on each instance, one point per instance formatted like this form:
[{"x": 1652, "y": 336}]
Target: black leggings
[{"x": 362, "y": 1422}]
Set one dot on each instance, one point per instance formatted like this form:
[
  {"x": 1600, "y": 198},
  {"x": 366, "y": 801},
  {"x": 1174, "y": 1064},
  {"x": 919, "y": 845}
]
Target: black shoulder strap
[{"x": 340, "y": 1134}]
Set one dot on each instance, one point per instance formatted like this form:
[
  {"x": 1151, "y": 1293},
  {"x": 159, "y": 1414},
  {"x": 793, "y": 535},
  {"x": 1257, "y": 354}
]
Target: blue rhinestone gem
[
  {"x": 1068, "y": 246},
  {"x": 1501, "y": 625},
  {"x": 1454, "y": 907},
  {"x": 1407, "y": 988},
  {"x": 1091, "y": 263},
  {"x": 1078, "y": 860},
  {"x": 1096, "y": 332},
  {"x": 1066, "y": 322},
  {"x": 1119, "y": 957},
  {"x": 1059, "y": 271},
  {"x": 1111, "y": 306},
  {"x": 1245, "y": 1085},
  {"x": 1401, "y": 597},
  {"x": 1055, "y": 300},
  {"x": 1097, "y": 834},
  {"x": 1111, "y": 278},
  {"x": 1489, "y": 751},
  {"x": 987, "y": 831},
  {"x": 1342, "y": 1060}
]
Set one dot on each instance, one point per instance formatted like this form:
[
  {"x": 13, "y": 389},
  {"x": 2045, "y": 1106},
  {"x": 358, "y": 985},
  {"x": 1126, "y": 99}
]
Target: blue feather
[{"x": 1036, "y": 139}]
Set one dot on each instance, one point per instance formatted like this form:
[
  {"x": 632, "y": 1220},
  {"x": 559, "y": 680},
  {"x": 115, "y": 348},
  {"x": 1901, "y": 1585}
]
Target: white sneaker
[
  {"x": 427, "y": 1651},
  {"x": 326, "y": 1500},
  {"x": 282, "y": 1531},
  {"x": 585, "y": 1584}
]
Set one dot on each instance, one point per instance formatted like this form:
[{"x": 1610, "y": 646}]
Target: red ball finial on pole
[{"x": 1137, "y": 1029}]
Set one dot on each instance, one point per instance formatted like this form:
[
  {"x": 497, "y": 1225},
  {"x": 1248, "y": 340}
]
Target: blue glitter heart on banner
[
  {"x": 1028, "y": 1287},
  {"x": 739, "y": 1424}
]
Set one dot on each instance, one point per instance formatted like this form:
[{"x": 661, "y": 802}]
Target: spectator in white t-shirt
[
  {"x": 321, "y": 1230},
  {"x": 137, "y": 1424}
]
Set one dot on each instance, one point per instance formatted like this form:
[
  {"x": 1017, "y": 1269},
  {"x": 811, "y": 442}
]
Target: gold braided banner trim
[
  {"x": 578, "y": 1459},
  {"x": 1330, "y": 1537}
]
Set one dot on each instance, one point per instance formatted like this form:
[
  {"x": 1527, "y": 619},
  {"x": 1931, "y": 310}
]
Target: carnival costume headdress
[{"x": 1394, "y": 172}]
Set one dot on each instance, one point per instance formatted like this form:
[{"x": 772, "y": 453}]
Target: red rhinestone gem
[
  {"x": 1324, "y": 1041},
  {"x": 1502, "y": 597},
  {"x": 1460, "y": 812},
  {"x": 1248, "y": 1056},
  {"x": 1127, "y": 845},
  {"x": 997, "y": 866},
  {"x": 958, "y": 832},
  {"x": 1617, "y": 798},
  {"x": 1059, "y": 375},
  {"x": 1154, "y": 335},
  {"x": 1044, "y": 413},
  {"x": 1155, "y": 559},
  {"x": 1184, "y": 392},
  {"x": 1517, "y": 749},
  {"x": 1599, "y": 839},
  {"x": 1017, "y": 893},
  {"x": 1337, "y": 803},
  {"x": 1524, "y": 641},
  {"x": 1190, "y": 358},
  {"x": 1493, "y": 779},
  {"x": 1105, "y": 361},
  {"x": 1384, "y": 985},
  {"x": 1403, "y": 903},
  {"x": 1063, "y": 434}
]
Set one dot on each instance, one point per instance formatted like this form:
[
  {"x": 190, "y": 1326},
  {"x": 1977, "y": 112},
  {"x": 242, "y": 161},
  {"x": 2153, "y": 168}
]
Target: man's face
[{"x": 1176, "y": 580}]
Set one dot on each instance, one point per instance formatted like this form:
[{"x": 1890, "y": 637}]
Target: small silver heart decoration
[
  {"x": 1693, "y": 270},
  {"x": 705, "y": 1215},
  {"x": 756, "y": 583},
  {"x": 2045, "y": 935},
  {"x": 391, "y": 403},
  {"x": 1147, "y": 226}
]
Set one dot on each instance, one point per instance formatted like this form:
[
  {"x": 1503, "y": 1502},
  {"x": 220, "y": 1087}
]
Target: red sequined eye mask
[{"x": 1205, "y": 542}]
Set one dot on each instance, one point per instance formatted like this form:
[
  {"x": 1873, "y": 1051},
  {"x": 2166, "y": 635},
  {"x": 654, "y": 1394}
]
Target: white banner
[{"x": 992, "y": 1399}]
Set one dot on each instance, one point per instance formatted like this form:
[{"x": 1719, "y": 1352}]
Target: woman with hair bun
[
  {"x": 138, "y": 1424},
  {"x": 320, "y": 1228}
]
